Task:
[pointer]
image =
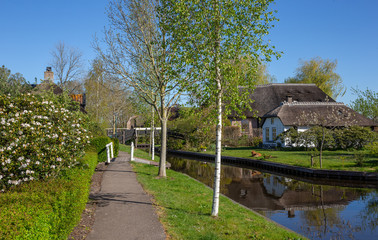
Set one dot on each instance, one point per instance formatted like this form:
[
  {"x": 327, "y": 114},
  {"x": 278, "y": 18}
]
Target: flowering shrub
[{"x": 38, "y": 139}]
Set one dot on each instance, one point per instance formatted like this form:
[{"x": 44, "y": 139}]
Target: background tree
[
  {"x": 366, "y": 103},
  {"x": 108, "y": 101},
  {"x": 67, "y": 65},
  {"x": 136, "y": 50},
  {"x": 323, "y": 122},
  {"x": 322, "y": 73},
  {"x": 258, "y": 74},
  {"x": 212, "y": 38},
  {"x": 13, "y": 84}
]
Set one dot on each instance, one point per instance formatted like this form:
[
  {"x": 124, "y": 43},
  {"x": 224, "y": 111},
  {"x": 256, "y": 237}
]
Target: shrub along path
[{"x": 124, "y": 210}]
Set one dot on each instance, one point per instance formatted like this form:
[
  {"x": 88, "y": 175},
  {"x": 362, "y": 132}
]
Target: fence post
[
  {"x": 107, "y": 153},
  {"x": 111, "y": 150},
  {"x": 132, "y": 151}
]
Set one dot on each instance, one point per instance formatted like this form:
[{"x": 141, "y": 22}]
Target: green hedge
[
  {"x": 47, "y": 209},
  {"x": 100, "y": 145},
  {"x": 116, "y": 146}
]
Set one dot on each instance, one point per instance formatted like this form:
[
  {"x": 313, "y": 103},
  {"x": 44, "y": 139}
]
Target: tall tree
[
  {"x": 108, "y": 101},
  {"x": 12, "y": 83},
  {"x": 366, "y": 103},
  {"x": 136, "y": 49},
  {"x": 67, "y": 65},
  {"x": 322, "y": 73},
  {"x": 213, "y": 37}
]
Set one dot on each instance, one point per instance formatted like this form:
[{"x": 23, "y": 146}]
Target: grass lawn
[
  {"x": 334, "y": 160},
  {"x": 184, "y": 207},
  {"x": 138, "y": 152}
]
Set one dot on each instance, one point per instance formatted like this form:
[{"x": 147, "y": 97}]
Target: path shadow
[{"x": 104, "y": 199}]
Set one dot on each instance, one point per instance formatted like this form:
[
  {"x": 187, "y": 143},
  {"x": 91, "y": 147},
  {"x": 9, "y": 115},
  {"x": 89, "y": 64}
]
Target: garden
[{"x": 48, "y": 156}]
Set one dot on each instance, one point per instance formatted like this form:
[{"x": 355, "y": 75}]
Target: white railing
[
  {"x": 109, "y": 151},
  {"x": 132, "y": 152}
]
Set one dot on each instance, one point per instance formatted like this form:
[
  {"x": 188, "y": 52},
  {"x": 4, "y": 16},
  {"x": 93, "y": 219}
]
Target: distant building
[
  {"x": 48, "y": 84},
  {"x": 276, "y": 108},
  {"x": 269, "y": 96},
  {"x": 288, "y": 115}
]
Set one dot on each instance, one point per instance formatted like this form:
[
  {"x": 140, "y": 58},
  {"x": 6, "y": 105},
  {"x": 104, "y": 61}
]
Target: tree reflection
[
  {"x": 322, "y": 209},
  {"x": 369, "y": 215}
]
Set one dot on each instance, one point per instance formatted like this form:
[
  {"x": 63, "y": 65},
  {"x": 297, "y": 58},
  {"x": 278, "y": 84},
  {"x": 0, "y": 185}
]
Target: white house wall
[
  {"x": 276, "y": 124},
  {"x": 279, "y": 129}
]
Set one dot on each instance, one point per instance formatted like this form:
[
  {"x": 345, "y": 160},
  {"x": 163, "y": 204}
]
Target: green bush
[
  {"x": 354, "y": 137},
  {"x": 115, "y": 146},
  {"x": 373, "y": 148},
  {"x": 39, "y": 139},
  {"x": 47, "y": 209},
  {"x": 100, "y": 145},
  {"x": 359, "y": 159}
]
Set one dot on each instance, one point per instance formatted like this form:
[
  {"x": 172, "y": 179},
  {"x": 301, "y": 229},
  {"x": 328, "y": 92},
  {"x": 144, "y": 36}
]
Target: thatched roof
[
  {"x": 269, "y": 96},
  {"x": 47, "y": 85},
  {"x": 311, "y": 113}
]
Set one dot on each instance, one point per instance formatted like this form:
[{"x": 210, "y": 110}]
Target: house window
[
  {"x": 272, "y": 121},
  {"x": 245, "y": 126},
  {"x": 274, "y": 133},
  {"x": 267, "y": 134}
]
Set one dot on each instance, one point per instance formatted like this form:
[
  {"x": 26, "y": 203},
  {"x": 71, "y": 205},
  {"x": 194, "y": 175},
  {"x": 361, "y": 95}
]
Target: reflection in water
[{"x": 316, "y": 211}]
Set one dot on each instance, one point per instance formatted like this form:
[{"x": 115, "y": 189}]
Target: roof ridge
[
  {"x": 285, "y": 84},
  {"x": 313, "y": 103}
]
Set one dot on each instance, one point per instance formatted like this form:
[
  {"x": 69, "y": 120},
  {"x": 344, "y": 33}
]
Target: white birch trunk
[
  {"x": 153, "y": 136},
  {"x": 217, "y": 173},
  {"x": 218, "y": 156}
]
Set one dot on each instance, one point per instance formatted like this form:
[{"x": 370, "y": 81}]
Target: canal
[{"x": 317, "y": 211}]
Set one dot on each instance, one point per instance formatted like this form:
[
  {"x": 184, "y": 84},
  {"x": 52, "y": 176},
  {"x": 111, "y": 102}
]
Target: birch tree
[
  {"x": 212, "y": 38},
  {"x": 136, "y": 49}
]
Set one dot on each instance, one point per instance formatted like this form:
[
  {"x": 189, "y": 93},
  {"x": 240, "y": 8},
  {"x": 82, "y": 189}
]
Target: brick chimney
[
  {"x": 49, "y": 75},
  {"x": 289, "y": 99}
]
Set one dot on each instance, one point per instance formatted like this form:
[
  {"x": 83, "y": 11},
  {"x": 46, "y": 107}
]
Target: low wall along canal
[{"x": 328, "y": 208}]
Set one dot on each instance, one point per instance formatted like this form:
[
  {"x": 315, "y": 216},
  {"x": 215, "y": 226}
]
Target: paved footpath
[{"x": 124, "y": 210}]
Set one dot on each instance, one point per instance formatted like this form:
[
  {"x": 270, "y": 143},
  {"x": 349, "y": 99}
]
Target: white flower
[
  {"x": 8, "y": 161},
  {"x": 59, "y": 159},
  {"x": 1, "y": 176},
  {"x": 52, "y": 166},
  {"x": 37, "y": 162}
]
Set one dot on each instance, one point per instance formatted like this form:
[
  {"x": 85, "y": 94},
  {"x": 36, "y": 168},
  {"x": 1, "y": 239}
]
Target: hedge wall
[{"x": 47, "y": 209}]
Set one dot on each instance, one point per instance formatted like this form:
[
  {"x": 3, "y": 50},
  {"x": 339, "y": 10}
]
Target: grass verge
[
  {"x": 185, "y": 208},
  {"x": 138, "y": 152},
  {"x": 47, "y": 209}
]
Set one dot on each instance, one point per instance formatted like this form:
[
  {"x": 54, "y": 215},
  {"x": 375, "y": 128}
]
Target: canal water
[{"x": 315, "y": 211}]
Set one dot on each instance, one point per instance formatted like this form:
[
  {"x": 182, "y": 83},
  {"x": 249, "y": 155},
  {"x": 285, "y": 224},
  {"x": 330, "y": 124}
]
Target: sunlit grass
[
  {"x": 333, "y": 160},
  {"x": 184, "y": 207}
]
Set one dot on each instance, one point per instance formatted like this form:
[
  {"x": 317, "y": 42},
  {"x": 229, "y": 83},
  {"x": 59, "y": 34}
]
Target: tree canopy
[
  {"x": 13, "y": 84},
  {"x": 322, "y": 73},
  {"x": 366, "y": 103},
  {"x": 135, "y": 48},
  {"x": 213, "y": 38}
]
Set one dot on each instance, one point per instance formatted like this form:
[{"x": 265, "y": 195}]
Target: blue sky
[{"x": 342, "y": 30}]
